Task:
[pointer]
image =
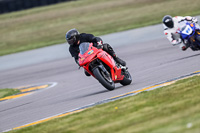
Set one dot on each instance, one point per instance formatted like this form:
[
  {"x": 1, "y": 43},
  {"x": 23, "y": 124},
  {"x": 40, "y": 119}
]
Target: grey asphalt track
[{"x": 150, "y": 57}]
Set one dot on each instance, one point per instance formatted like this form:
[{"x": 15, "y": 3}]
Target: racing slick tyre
[
  {"x": 105, "y": 80},
  {"x": 127, "y": 78}
]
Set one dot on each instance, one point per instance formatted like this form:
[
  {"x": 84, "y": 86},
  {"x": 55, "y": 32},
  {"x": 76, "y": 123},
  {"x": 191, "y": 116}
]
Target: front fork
[{"x": 101, "y": 66}]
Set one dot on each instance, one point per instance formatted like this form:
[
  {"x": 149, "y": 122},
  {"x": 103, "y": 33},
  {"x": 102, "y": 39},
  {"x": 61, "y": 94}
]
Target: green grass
[
  {"x": 168, "y": 109},
  {"x": 8, "y": 92},
  {"x": 43, "y": 26}
]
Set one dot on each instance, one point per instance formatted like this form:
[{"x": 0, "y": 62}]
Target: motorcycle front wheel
[{"x": 104, "y": 79}]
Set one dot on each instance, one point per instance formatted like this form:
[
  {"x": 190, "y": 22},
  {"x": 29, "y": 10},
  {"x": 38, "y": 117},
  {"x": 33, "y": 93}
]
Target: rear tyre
[
  {"x": 106, "y": 81},
  {"x": 127, "y": 78}
]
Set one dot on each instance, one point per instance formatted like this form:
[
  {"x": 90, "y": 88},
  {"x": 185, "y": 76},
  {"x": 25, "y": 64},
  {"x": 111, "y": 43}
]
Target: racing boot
[
  {"x": 119, "y": 61},
  {"x": 109, "y": 50}
]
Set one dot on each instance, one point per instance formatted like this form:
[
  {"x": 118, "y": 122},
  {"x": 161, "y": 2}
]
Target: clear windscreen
[
  {"x": 183, "y": 28},
  {"x": 183, "y": 25},
  {"x": 83, "y": 47}
]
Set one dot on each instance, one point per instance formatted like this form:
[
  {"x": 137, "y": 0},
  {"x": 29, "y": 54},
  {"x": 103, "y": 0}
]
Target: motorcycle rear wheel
[
  {"x": 108, "y": 84},
  {"x": 127, "y": 78}
]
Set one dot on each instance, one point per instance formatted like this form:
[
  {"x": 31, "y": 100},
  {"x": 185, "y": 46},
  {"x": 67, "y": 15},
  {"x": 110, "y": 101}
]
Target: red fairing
[
  {"x": 106, "y": 58},
  {"x": 88, "y": 56},
  {"x": 92, "y": 53}
]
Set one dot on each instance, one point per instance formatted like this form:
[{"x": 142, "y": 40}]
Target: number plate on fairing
[{"x": 187, "y": 30}]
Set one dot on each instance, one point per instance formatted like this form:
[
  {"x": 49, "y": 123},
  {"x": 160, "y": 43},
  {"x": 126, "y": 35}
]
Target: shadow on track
[
  {"x": 17, "y": 106},
  {"x": 102, "y": 91},
  {"x": 187, "y": 57},
  {"x": 179, "y": 59},
  {"x": 95, "y": 93}
]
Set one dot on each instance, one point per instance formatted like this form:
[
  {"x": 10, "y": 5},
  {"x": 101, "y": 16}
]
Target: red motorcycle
[{"x": 102, "y": 66}]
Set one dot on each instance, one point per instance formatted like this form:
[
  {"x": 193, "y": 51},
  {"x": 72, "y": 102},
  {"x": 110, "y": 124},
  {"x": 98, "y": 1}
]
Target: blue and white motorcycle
[{"x": 190, "y": 35}]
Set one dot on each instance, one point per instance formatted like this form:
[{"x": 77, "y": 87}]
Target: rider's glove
[
  {"x": 100, "y": 45},
  {"x": 176, "y": 42},
  {"x": 194, "y": 20}
]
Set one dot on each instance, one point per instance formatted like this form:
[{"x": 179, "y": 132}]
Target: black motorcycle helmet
[
  {"x": 168, "y": 21},
  {"x": 72, "y": 36}
]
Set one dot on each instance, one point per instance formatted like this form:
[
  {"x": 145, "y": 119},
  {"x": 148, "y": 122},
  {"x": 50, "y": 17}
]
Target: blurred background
[
  {"x": 32, "y": 24},
  {"x": 16, "y": 5}
]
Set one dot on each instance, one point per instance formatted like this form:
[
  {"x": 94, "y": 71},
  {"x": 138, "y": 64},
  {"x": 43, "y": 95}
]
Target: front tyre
[
  {"x": 105, "y": 80},
  {"x": 127, "y": 78}
]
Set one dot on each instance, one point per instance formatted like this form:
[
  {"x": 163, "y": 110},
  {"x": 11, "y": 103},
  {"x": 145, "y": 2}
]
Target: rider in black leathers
[{"x": 74, "y": 38}]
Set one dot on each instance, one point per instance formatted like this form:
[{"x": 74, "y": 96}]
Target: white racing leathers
[{"x": 172, "y": 33}]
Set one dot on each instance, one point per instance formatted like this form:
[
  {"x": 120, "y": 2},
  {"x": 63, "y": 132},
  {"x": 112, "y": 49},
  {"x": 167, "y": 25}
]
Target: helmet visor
[
  {"x": 71, "y": 40},
  {"x": 169, "y": 23}
]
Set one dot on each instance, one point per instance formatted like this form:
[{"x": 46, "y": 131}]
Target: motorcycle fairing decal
[
  {"x": 187, "y": 30},
  {"x": 103, "y": 55},
  {"x": 198, "y": 32},
  {"x": 90, "y": 52},
  {"x": 85, "y": 58},
  {"x": 118, "y": 75},
  {"x": 106, "y": 58},
  {"x": 82, "y": 58}
]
